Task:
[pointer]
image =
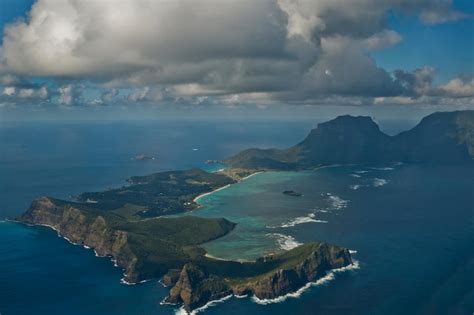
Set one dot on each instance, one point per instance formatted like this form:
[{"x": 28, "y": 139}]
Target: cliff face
[
  {"x": 145, "y": 249},
  {"x": 195, "y": 287},
  {"x": 287, "y": 280},
  {"x": 197, "y": 284},
  {"x": 343, "y": 140},
  {"x": 72, "y": 223},
  {"x": 439, "y": 137}
]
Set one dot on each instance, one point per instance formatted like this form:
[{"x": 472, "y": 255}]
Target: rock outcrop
[{"x": 195, "y": 287}]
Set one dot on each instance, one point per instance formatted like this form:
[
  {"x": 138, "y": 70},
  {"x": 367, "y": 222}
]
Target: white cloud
[
  {"x": 26, "y": 92},
  {"x": 9, "y": 90},
  {"x": 294, "y": 50},
  {"x": 66, "y": 95},
  {"x": 146, "y": 94},
  {"x": 458, "y": 87}
]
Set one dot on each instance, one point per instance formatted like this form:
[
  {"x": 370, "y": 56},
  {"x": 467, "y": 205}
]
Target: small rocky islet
[{"x": 292, "y": 193}]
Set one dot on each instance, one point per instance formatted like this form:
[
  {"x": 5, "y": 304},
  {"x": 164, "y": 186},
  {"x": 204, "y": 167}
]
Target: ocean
[{"x": 410, "y": 227}]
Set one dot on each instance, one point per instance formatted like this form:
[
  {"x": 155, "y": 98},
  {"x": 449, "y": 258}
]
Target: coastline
[
  {"x": 330, "y": 275},
  {"x": 196, "y": 199},
  {"x": 215, "y": 258},
  {"x": 210, "y": 192},
  {"x": 224, "y": 259},
  {"x": 112, "y": 258}
]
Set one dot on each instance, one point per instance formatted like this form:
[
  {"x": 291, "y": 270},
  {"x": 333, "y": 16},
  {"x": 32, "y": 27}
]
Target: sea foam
[
  {"x": 330, "y": 275},
  {"x": 300, "y": 220},
  {"x": 377, "y": 182},
  {"x": 337, "y": 202},
  {"x": 286, "y": 242},
  {"x": 182, "y": 311},
  {"x": 383, "y": 168},
  {"x": 321, "y": 210}
]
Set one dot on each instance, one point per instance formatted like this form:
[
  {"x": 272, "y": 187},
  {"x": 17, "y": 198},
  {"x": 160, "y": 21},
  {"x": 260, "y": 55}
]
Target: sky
[{"x": 99, "y": 59}]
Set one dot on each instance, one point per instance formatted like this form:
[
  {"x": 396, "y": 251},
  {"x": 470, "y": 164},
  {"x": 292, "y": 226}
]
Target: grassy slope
[{"x": 238, "y": 272}]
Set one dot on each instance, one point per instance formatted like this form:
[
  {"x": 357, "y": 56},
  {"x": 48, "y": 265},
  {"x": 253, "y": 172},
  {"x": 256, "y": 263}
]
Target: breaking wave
[
  {"x": 378, "y": 182},
  {"x": 300, "y": 220},
  {"x": 322, "y": 281},
  {"x": 182, "y": 311},
  {"x": 383, "y": 168},
  {"x": 286, "y": 242},
  {"x": 321, "y": 210},
  {"x": 337, "y": 202}
]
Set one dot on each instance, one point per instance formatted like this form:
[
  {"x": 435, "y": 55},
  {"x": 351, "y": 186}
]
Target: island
[
  {"x": 292, "y": 193},
  {"x": 169, "y": 248},
  {"x": 213, "y": 161},
  {"x": 143, "y": 157},
  {"x": 131, "y": 224}
]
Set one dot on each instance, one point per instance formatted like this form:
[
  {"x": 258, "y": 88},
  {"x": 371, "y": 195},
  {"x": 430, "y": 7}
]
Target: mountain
[{"x": 439, "y": 137}]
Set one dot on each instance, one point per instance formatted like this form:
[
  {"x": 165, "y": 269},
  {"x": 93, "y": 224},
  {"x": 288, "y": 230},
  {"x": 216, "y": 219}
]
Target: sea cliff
[
  {"x": 278, "y": 275},
  {"x": 169, "y": 248},
  {"x": 143, "y": 250}
]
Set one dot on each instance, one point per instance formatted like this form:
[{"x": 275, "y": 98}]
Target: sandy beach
[{"x": 223, "y": 187}]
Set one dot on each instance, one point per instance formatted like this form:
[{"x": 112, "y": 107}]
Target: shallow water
[
  {"x": 43, "y": 274},
  {"x": 413, "y": 236}
]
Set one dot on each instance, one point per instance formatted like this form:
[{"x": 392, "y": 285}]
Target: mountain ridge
[{"x": 438, "y": 137}]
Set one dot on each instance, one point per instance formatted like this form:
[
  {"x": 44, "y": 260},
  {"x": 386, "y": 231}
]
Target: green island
[{"x": 129, "y": 224}]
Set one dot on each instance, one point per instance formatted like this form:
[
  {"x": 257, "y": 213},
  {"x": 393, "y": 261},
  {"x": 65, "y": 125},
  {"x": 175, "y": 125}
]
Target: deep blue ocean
[{"x": 411, "y": 227}]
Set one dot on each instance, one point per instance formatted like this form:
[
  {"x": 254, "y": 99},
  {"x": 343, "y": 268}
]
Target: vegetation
[
  {"x": 440, "y": 137},
  {"x": 156, "y": 194},
  {"x": 149, "y": 247},
  {"x": 123, "y": 222}
]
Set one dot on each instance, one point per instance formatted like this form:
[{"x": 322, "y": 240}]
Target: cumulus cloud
[
  {"x": 70, "y": 94},
  {"x": 24, "y": 94},
  {"x": 9, "y": 91},
  {"x": 441, "y": 12},
  {"x": 417, "y": 82},
  {"x": 146, "y": 94},
  {"x": 292, "y": 50},
  {"x": 109, "y": 96},
  {"x": 33, "y": 92},
  {"x": 458, "y": 87}
]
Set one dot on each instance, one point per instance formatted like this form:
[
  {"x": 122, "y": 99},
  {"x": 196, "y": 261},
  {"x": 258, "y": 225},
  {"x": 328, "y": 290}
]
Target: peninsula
[{"x": 127, "y": 223}]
